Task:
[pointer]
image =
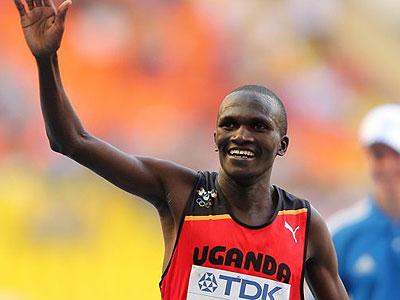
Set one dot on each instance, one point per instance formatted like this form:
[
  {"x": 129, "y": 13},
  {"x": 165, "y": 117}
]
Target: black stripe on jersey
[{"x": 305, "y": 249}]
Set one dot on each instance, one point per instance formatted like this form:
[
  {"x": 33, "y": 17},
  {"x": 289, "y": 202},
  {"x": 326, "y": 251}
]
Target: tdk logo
[
  {"x": 209, "y": 283},
  {"x": 249, "y": 289}
]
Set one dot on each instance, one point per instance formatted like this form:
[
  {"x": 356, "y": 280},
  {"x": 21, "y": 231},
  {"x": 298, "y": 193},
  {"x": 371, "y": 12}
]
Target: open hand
[{"x": 42, "y": 24}]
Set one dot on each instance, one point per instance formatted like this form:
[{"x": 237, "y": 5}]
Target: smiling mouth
[{"x": 241, "y": 153}]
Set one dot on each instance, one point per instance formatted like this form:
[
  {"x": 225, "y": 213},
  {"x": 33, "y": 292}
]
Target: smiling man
[{"x": 228, "y": 235}]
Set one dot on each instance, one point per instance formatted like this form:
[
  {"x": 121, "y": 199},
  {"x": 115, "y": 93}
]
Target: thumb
[{"x": 62, "y": 11}]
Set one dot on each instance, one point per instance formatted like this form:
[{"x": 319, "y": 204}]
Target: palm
[
  {"x": 43, "y": 26},
  {"x": 42, "y": 34}
]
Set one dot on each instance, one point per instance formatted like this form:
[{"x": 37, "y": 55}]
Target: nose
[{"x": 242, "y": 135}]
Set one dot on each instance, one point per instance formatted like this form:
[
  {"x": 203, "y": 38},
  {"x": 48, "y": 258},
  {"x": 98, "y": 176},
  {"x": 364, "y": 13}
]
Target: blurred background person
[{"x": 367, "y": 235}]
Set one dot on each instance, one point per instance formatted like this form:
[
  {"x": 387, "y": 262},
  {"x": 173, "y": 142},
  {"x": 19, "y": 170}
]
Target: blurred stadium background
[{"x": 147, "y": 76}]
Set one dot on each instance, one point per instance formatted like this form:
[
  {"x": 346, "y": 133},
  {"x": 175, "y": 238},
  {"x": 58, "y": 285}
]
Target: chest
[{"x": 273, "y": 251}]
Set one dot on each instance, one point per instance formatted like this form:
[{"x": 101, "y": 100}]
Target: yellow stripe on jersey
[
  {"x": 209, "y": 217},
  {"x": 227, "y": 216},
  {"x": 292, "y": 211}
]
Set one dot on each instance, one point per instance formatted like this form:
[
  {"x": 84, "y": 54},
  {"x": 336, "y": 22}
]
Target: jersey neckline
[{"x": 235, "y": 219}]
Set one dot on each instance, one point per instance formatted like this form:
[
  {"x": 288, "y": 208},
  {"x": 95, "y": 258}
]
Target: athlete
[
  {"x": 367, "y": 235},
  {"x": 230, "y": 235}
]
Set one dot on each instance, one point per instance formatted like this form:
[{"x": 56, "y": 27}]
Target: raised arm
[
  {"x": 163, "y": 183},
  {"x": 321, "y": 265}
]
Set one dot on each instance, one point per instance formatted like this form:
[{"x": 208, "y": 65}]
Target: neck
[
  {"x": 247, "y": 195},
  {"x": 389, "y": 203}
]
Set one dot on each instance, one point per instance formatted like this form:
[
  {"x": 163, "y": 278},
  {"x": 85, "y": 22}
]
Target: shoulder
[
  {"x": 319, "y": 238},
  {"x": 317, "y": 223},
  {"x": 208, "y": 177},
  {"x": 200, "y": 180},
  {"x": 290, "y": 201},
  {"x": 205, "y": 180},
  {"x": 350, "y": 218},
  {"x": 351, "y": 226},
  {"x": 317, "y": 231},
  {"x": 178, "y": 183}
]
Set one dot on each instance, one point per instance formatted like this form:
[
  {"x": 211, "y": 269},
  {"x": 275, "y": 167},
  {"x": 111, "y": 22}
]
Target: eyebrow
[
  {"x": 266, "y": 120},
  {"x": 262, "y": 120}
]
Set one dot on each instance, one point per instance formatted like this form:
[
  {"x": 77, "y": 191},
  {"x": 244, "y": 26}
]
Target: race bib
[{"x": 211, "y": 284}]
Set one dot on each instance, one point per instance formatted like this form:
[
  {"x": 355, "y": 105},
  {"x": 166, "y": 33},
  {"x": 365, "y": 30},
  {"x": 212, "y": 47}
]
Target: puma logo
[{"x": 288, "y": 227}]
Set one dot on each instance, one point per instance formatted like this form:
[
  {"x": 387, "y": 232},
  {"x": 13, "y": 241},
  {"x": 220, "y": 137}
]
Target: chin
[
  {"x": 242, "y": 175},
  {"x": 245, "y": 172}
]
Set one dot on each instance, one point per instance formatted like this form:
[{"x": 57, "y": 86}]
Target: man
[
  {"x": 367, "y": 236},
  {"x": 230, "y": 235}
]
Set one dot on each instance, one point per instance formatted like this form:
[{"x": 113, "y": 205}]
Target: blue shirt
[{"x": 367, "y": 243}]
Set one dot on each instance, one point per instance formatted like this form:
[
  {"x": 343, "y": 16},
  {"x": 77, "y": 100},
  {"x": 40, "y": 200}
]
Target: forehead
[
  {"x": 247, "y": 104},
  {"x": 381, "y": 150}
]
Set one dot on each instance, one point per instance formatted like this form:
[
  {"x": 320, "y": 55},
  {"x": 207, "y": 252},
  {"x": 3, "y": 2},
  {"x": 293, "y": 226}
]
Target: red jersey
[{"x": 218, "y": 257}]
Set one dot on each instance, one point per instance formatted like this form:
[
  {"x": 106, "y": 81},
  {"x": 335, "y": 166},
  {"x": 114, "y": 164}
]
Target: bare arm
[
  {"x": 321, "y": 265},
  {"x": 155, "y": 180}
]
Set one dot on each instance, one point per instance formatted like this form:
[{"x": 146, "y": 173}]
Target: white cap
[{"x": 382, "y": 125}]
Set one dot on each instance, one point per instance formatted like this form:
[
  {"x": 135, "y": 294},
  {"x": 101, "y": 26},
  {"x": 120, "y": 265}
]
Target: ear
[
  {"x": 215, "y": 142},
  {"x": 283, "y": 146}
]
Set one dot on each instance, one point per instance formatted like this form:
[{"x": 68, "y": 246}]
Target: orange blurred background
[{"x": 148, "y": 76}]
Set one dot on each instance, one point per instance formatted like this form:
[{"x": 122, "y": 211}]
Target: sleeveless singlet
[{"x": 218, "y": 257}]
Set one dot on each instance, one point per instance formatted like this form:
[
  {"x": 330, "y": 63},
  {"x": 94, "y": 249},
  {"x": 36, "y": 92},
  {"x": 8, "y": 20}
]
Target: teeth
[{"x": 242, "y": 153}]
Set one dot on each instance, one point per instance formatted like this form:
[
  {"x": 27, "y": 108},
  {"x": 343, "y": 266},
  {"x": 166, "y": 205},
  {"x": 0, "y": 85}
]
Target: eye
[
  {"x": 260, "y": 126},
  {"x": 228, "y": 124}
]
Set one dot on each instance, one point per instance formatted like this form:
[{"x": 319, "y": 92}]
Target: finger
[
  {"x": 38, "y": 3},
  {"x": 50, "y": 3},
  {"x": 20, "y": 7},
  {"x": 30, "y": 4},
  {"x": 47, "y": 3},
  {"x": 62, "y": 11}
]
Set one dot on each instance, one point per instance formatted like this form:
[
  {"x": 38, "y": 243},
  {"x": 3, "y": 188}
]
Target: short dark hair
[{"x": 262, "y": 90}]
